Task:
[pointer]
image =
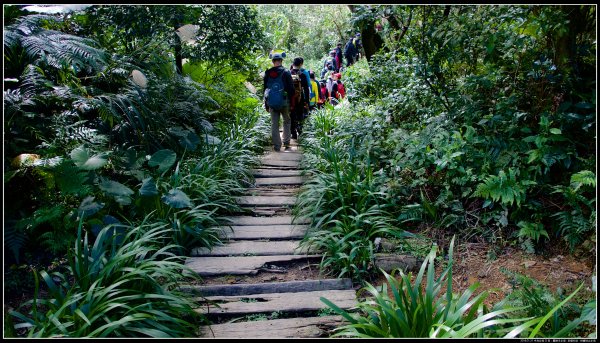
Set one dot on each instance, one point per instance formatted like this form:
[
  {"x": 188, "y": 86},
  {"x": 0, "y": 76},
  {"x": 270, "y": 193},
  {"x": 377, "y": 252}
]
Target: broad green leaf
[
  {"x": 164, "y": 159},
  {"x": 148, "y": 188},
  {"x": 115, "y": 188},
  {"x": 88, "y": 207},
  {"x": 177, "y": 199},
  {"x": 190, "y": 141},
  {"x": 83, "y": 160},
  {"x": 555, "y": 131}
]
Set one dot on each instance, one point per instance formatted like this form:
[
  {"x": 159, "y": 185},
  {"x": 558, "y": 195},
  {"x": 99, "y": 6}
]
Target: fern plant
[
  {"x": 504, "y": 187},
  {"x": 578, "y": 217}
]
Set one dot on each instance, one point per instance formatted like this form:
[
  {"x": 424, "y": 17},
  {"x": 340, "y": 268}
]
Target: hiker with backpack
[
  {"x": 358, "y": 45},
  {"x": 314, "y": 96},
  {"x": 350, "y": 52},
  {"x": 301, "y": 97},
  {"x": 323, "y": 95},
  {"x": 278, "y": 93},
  {"x": 334, "y": 95},
  {"x": 330, "y": 64},
  {"x": 338, "y": 57},
  {"x": 341, "y": 90}
]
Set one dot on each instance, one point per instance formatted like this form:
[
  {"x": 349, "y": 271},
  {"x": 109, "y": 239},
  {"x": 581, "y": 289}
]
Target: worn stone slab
[
  {"x": 277, "y": 220},
  {"x": 279, "y": 163},
  {"x": 389, "y": 262},
  {"x": 251, "y": 248},
  {"x": 282, "y": 231},
  {"x": 283, "y": 302},
  {"x": 286, "y": 180},
  {"x": 311, "y": 327},
  {"x": 266, "y": 190},
  {"x": 268, "y": 287},
  {"x": 237, "y": 265},
  {"x": 266, "y": 200},
  {"x": 283, "y": 155},
  {"x": 259, "y": 173}
]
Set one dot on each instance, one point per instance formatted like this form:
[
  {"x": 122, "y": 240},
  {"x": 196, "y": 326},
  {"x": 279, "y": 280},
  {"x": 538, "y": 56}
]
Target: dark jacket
[
  {"x": 350, "y": 49},
  {"x": 287, "y": 80},
  {"x": 304, "y": 83}
]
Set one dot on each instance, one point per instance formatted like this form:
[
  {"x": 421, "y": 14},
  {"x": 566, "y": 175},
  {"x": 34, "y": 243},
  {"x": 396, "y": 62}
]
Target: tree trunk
[{"x": 371, "y": 40}]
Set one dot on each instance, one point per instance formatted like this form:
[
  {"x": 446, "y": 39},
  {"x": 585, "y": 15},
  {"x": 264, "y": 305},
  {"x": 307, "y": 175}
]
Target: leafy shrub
[{"x": 114, "y": 289}]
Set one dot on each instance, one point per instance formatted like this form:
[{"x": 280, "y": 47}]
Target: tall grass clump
[
  {"x": 343, "y": 200},
  {"x": 124, "y": 285},
  {"x": 428, "y": 308}
]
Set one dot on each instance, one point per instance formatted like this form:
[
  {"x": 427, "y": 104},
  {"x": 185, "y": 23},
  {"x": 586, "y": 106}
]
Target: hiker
[
  {"x": 278, "y": 87},
  {"x": 338, "y": 57},
  {"x": 334, "y": 95},
  {"x": 358, "y": 45},
  {"x": 329, "y": 86},
  {"x": 314, "y": 96},
  {"x": 329, "y": 65},
  {"x": 323, "y": 95},
  {"x": 341, "y": 90},
  {"x": 350, "y": 52},
  {"x": 301, "y": 96}
]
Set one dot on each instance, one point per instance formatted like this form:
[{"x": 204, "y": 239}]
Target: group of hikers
[{"x": 292, "y": 93}]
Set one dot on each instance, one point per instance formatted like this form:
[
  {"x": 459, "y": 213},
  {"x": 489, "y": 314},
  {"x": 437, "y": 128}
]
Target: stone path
[{"x": 260, "y": 242}]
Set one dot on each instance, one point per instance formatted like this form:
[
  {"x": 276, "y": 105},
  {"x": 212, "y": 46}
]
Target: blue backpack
[
  {"x": 275, "y": 92},
  {"x": 310, "y": 90}
]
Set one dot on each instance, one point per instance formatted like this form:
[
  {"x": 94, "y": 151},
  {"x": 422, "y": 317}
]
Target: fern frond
[
  {"x": 34, "y": 81},
  {"x": 14, "y": 240},
  {"x": 583, "y": 178}
]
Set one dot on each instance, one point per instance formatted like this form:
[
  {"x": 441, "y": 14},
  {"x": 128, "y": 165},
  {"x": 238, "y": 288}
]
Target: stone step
[
  {"x": 282, "y": 302},
  {"x": 284, "y": 180},
  {"x": 260, "y": 172},
  {"x": 282, "y": 155},
  {"x": 252, "y": 248},
  {"x": 271, "y": 232},
  {"x": 310, "y": 327},
  {"x": 269, "y": 287},
  {"x": 278, "y": 163},
  {"x": 252, "y": 220},
  {"x": 274, "y": 201},
  {"x": 270, "y": 191},
  {"x": 238, "y": 265}
]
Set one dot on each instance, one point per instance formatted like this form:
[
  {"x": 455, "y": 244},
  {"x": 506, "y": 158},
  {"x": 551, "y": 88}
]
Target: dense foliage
[
  {"x": 477, "y": 121},
  {"x": 103, "y": 130},
  {"x": 129, "y": 130},
  {"x": 481, "y": 132}
]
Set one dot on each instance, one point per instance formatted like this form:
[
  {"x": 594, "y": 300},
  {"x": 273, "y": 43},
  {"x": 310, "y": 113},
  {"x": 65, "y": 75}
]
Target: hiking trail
[{"x": 266, "y": 241}]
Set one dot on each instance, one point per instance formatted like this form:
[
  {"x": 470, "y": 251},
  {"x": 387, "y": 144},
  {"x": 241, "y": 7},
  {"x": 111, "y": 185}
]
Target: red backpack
[{"x": 341, "y": 89}]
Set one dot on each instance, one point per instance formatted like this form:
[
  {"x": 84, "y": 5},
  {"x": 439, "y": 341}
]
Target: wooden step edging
[
  {"x": 311, "y": 327},
  {"x": 271, "y": 302},
  {"x": 268, "y": 287},
  {"x": 238, "y": 265},
  {"x": 250, "y": 248}
]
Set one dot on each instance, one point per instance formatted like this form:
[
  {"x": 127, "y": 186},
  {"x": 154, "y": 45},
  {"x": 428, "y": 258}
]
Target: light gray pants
[{"x": 287, "y": 122}]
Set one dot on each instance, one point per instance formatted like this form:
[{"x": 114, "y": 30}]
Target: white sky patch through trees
[{"x": 54, "y": 8}]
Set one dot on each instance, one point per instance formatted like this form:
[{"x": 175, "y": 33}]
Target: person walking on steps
[
  {"x": 338, "y": 57},
  {"x": 301, "y": 98},
  {"x": 358, "y": 45},
  {"x": 279, "y": 89},
  {"x": 350, "y": 52}
]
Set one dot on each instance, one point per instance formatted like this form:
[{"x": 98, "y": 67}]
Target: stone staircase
[{"x": 266, "y": 241}]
